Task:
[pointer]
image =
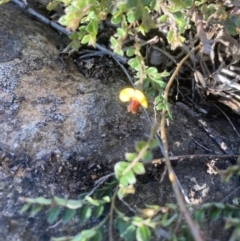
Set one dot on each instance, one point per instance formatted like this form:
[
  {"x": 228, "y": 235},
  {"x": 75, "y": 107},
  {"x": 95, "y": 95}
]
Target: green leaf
[
  {"x": 74, "y": 204},
  {"x": 79, "y": 237},
  {"x": 53, "y": 215},
  {"x": 140, "y": 145},
  {"x": 169, "y": 112},
  {"x": 121, "y": 32},
  {"x": 98, "y": 210},
  {"x": 170, "y": 36},
  {"x": 92, "y": 27},
  {"x": 139, "y": 168},
  {"x": 85, "y": 213},
  {"x": 160, "y": 106},
  {"x": 39, "y": 200},
  {"x": 129, "y": 177},
  {"x": 97, "y": 236},
  {"x": 64, "y": 238},
  {"x": 92, "y": 201},
  {"x": 68, "y": 214},
  {"x": 206, "y": 205},
  {"x": 86, "y": 39},
  {"x": 179, "y": 3},
  {"x": 25, "y": 208},
  {"x": 114, "y": 42},
  {"x": 106, "y": 199},
  {"x": 158, "y": 99},
  {"x": 36, "y": 209},
  {"x": 147, "y": 156},
  {"x": 133, "y": 63},
  {"x": 132, "y": 3},
  {"x": 199, "y": 216},
  {"x": 129, "y": 233},
  {"x": 219, "y": 205},
  {"x": 180, "y": 20},
  {"x": 163, "y": 18},
  {"x": 214, "y": 214},
  {"x": 116, "y": 20},
  {"x": 89, "y": 233},
  {"x": 164, "y": 74},
  {"x": 119, "y": 51},
  {"x": 153, "y": 144},
  {"x": 146, "y": 2},
  {"x": 126, "y": 230},
  {"x": 130, "y": 156},
  {"x": 167, "y": 222},
  {"x": 119, "y": 168},
  {"x": 4, "y": 1},
  {"x": 137, "y": 219},
  {"x": 82, "y": 196},
  {"x": 152, "y": 71},
  {"x": 60, "y": 201},
  {"x": 52, "y": 5},
  {"x": 143, "y": 233},
  {"x": 124, "y": 190},
  {"x": 84, "y": 235},
  {"x": 123, "y": 181},
  {"x": 237, "y": 22},
  {"x": 139, "y": 11},
  {"x": 172, "y": 206},
  {"x": 130, "y": 17},
  {"x": 160, "y": 82},
  {"x": 130, "y": 51}
]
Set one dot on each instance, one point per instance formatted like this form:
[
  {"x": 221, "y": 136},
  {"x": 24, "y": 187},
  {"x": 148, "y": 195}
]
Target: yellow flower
[{"x": 136, "y": 98}]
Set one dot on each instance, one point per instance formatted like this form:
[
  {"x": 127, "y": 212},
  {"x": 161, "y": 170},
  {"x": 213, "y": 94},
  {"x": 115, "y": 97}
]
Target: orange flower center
[{"x": 133, "y": 106}]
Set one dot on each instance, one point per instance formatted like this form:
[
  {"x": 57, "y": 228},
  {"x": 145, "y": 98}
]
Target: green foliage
[
  {"x": 4, "y": 1},
  {"x": 126, "y": 171},
  {"x": 83, "y": 208}
]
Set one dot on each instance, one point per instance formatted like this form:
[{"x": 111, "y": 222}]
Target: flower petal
[
  {"x": 129, "y": 94},
  {"x": 126, "y": 94},
  {"x": 141, "y": 98}
]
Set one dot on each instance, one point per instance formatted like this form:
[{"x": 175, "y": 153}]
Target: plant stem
[
  {"x": 172, "y": 176},
  {"x": 136, "y": 159},
  {"x": 110, "y": 227}
]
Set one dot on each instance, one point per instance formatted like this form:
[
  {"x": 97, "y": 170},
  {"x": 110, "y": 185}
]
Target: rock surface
[{"x": 49, "y": 107}]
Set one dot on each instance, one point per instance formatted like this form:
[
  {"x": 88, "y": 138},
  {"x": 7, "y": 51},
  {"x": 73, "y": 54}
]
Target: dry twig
[
  {"x": 194, "y": 230},
  {"x": 228, "y": 120},
  {"x": 172, "y": 158}
]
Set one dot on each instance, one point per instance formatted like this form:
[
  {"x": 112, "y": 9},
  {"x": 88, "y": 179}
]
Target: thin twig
[
  {"x": 128, "y": 206},
  {"x": 95, "y": 54},
  {"x": 211, "y": 132},
  {"x": 137, "y": 158},
  {"x": 178, "y": 223},
  {"x": 99, "y": 182},
  {"x": 172, "y": 176},
  {"x": 228, "y": 120},
  {"x": 183, "y": 192},
  {"x": 163, "y": 174},
  {"x": 230, "y": 194},
  {"x": 54, "y": 226},
  {"x": 110, "y": 228},
  {"x": 172, "y": 158},
  {"x": 205, "y": 148}
]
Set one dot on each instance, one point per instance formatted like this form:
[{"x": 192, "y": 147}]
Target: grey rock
[{"x": 47, "y": 107}]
